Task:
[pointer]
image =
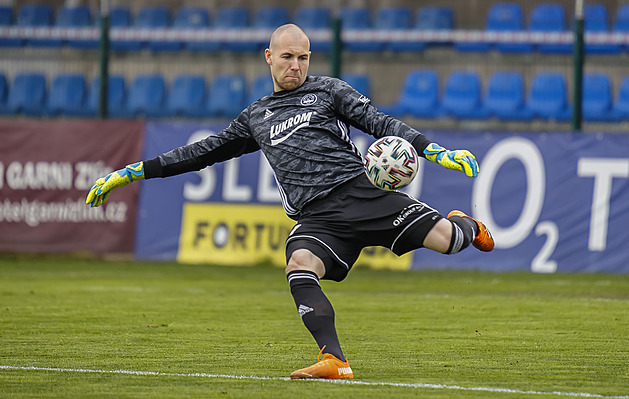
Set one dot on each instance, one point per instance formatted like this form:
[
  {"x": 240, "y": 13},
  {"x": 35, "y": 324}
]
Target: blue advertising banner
[{"x": 555, "y": 202}]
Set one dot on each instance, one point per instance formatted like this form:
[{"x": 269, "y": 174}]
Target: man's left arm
[{"x": 357, "y": 110}]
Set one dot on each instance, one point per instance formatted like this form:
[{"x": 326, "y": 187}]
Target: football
[{"x": 391, "y": 163}]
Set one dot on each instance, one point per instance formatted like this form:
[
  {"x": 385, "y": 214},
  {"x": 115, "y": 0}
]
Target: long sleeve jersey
[{"x": 304, "y": 135}]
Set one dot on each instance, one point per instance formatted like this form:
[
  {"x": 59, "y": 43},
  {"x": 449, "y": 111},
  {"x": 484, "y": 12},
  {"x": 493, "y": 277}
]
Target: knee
[{"x": 303, "y": 259}]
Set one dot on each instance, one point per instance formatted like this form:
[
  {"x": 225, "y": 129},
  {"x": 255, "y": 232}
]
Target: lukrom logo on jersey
[{"x": 278, "y": 131}]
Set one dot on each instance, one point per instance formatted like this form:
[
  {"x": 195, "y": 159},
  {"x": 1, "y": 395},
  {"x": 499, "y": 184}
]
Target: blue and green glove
[
  {"x": 102, "y": 188},
  {"x": 461, "y": 160}
]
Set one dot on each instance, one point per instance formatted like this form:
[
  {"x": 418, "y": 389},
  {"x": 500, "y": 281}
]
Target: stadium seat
[
  {"x": 187, "y": 96},
  {"x": 597, "y": 101},
  {"x": 314, "y": 18},
  {"x": 397, "y": 18},
  {"x": 4, "y": 95},
  {"x": 234, "y": 18},
  {"x": 548, "y": 97},
  {"x": 28, "y": 94},
  {"x": 621, "y": 105},
  {"x": 227, "y": 96},
  {"x": 156, "y": 17},
  {"x": 358, "y": 81},
  {"x": 549, "y": 17},
  {"x": 195, "y": 18},
  {"x": 6, "y": 19},
  {"x": 269, "y": 18},
  {"x": 147, "y": 96},
  {"x": 462, "y": 96},
  {"x": 597, "y": 21},
  {"x": 76, "y": 17},
  {"x": 120, "y": 17},
  {"x": 505, "y": 96},
  {"x": 116, "y": 98},
  {"x": 357, "y": 18},
  {"x": 507, "y": 17},
  {"x": 261, "y": 86},
  {"x": 419, "y": 96},
  {"x": 67, "y": 95},
  {"x": 435, "y": 18},
  {"x": 37, "y": 16}
]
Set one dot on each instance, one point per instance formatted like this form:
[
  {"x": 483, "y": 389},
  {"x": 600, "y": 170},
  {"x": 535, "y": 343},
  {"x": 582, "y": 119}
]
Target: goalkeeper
[{"x": 303, "y": 130}]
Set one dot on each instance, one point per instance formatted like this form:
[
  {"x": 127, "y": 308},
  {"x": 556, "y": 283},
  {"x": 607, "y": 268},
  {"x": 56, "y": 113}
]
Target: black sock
[
  {"x": 464, "y": 231},
  {"x": 315, "y": 310}
]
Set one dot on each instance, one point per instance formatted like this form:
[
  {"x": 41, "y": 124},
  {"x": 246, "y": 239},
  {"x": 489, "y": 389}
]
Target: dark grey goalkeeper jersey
[{"x": 304, "y": 135}]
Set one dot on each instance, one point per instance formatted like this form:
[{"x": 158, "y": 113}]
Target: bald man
[{"x": 303, "y": 130}]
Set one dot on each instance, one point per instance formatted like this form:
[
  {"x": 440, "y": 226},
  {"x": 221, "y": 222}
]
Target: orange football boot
[
  {"x": 483, "y": 240},
  {"x": 327, "y": 366}
]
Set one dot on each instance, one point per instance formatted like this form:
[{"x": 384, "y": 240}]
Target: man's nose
[{"x": 294, "y": 64}]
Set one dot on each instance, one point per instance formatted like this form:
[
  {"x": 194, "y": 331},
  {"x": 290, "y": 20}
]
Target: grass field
[{"x": 84, "y": 328}]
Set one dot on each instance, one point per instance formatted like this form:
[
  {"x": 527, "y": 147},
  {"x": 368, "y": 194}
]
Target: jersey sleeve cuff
[
  {"x": 419, "y": 143},
  {"x": 153, "y": 168}
]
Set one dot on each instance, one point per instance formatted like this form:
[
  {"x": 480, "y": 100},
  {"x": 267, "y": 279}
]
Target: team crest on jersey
[
  {"x": 309, "y": 99},
  {"x": 284, "y": 130}
]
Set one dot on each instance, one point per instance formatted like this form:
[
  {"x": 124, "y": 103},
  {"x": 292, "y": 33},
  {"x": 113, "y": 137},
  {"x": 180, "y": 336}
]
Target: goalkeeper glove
[
  {"x": 100, "y": 190},
  {"x": 461, "y": 160}
]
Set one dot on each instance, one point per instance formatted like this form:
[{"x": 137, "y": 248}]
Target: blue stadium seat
[
  {"x": 195, "y": 18},
  {"x": 269, "y": 18},
  {"x": 37, "y": 16},
  {"x": 234, "y": 18},
  {"x": 507, "y": 17},
  {"x": 116, "y": 98},
  {"x": 187, "y": 96},
  {"x": 621, "y": 106},
  {"x": 419, "y": 96},
  {"x": 505, "y": 96},
  {"x": 120, "y": 17},
  {"x": 227, "y": 96},
  {"x": 548, "y": 97},
  {"x": 358, "y": 81},
  {"x": 462, "y": 96},
  {"x": 4, "y": 95},
  {"x": 67, "y": 95},
  {"x": 598, "y": 99},
  {"x": 156, "y": 17},
  {"x": 357, "y": 18},
  {"x": 313, "y": 18},
  {"x": 147, "y": 96},
  {"x": 435, "y": 18},
  {"x": 549, "y": 17},
  {"x": 6, "y": 19},
  {"x": 397, "y": 18},
  {"x": 597, "y": 21},
  {"x": 28, "y": 94},
  {"x": 76, "y": 17},
  {"x": 262, "y": 86}
]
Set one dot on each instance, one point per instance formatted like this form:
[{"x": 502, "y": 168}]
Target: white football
[{"x": 391, "y": 163}]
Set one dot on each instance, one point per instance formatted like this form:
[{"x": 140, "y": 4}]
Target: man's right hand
[{"x": 102, "y": 188}]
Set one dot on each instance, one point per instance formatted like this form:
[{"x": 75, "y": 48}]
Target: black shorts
[{"x": 356, "y": 215}]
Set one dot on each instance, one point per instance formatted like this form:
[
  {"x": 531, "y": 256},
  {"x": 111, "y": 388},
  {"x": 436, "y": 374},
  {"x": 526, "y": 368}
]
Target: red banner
[{"x": 46, "y": 171}]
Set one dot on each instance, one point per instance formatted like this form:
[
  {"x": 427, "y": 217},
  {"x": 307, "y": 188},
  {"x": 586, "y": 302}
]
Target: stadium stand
[
  {"x": 28, "y": 94},
  {"x": 550, "y": 17},
  {"x": 548, "y": 97},
  {"x": 234, "y": 18},
  {"x": 505, "y": 96},
  {"x": 147, "y": 96},
  {"x": 156, "y": 17},
  {"x": 120, "y": 17},
  {"x": 187, "y": 96},
  {"x": 311, "y": 18},
  {"x": 597, "y": 21},
  {"x": 419, "y": 96},
  {"x": 261, "y": 86},
  {"x": 67, "y": 95},
  {"x": 227, "y": 96},
  {"x": 195, "y": 18},
  {"x": 116, "y": 98},
  {"x": 4, "y": 95},
  {"x": 435, "y": 18},
  {"x": 462, "y": 96},
  {"x": 357, "y": 18},
  {"x": 597, "y": 104},
  {"x": 507, "y": 17},
  {"x": 397, "y": 18},
  {"x": 621, "y": 106},
  {"x": 37, "y": 16},
  {"x": 76, "y": 17}
]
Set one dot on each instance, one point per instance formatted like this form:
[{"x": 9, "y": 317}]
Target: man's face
[{"x": 289, "y": 58}]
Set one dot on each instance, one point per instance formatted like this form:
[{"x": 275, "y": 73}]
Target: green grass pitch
[{"x": 72, "y": 328}]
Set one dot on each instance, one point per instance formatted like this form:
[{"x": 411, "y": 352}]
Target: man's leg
[
  {"x": 458, "y": 231},
  {"x": 303, "y": 272}
]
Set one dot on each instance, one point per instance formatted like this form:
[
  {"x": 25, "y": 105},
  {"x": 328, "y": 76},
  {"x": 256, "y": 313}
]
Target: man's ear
[{"x": 267, "y": 56}]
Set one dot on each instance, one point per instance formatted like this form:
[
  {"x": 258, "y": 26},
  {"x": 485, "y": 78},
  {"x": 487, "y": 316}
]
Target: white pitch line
[{"x": 349, "y": 382}]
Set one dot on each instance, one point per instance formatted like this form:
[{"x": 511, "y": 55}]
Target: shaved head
[{"x": 288, "y": 56}]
